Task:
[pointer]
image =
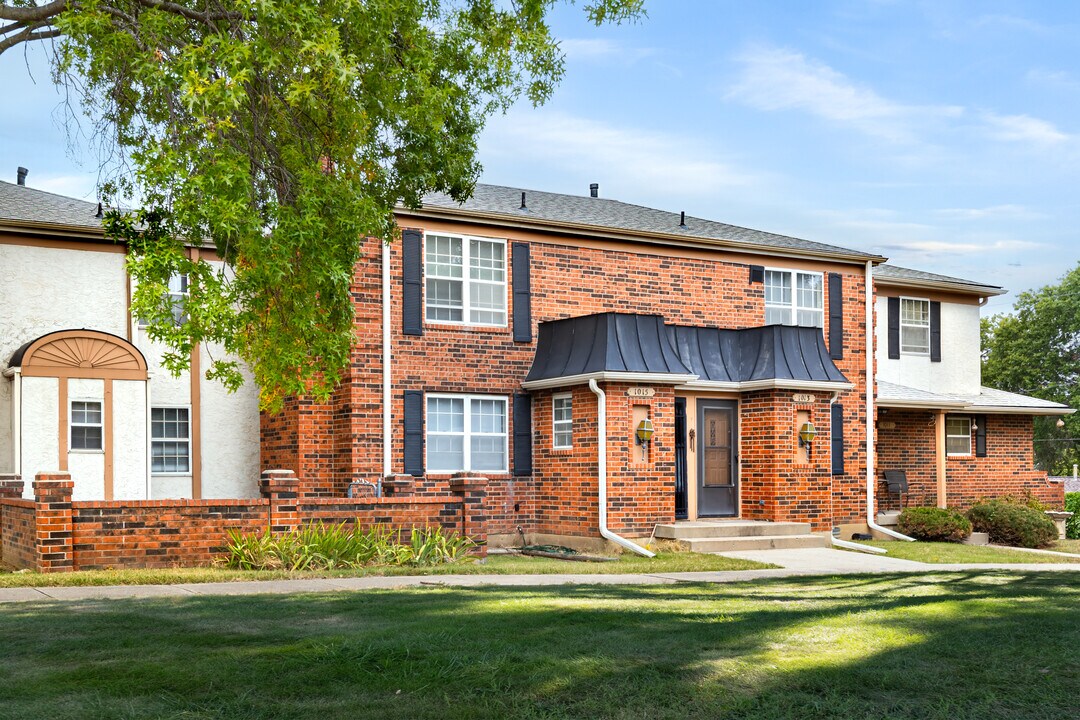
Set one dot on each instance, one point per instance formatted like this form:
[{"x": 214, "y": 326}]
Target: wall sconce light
[
  {"x": 1060, "y": 423},
  {"x": 807, "y": 433},
  {"x": 974, "y": 426},
  {"x": 644, "y": 434}
]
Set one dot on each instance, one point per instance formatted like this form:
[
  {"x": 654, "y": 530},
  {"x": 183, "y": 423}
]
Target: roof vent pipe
[
  {"x": 594, "y": 189},
  {"x": 100, "y": 212},
  {"x": 523, "y": 202},
  {"x": 682, "y": 220},
  {"x": 21, "y": 174}
]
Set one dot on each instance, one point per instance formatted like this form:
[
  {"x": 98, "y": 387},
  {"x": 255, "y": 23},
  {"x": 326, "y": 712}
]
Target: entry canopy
[{"x": 642, "y": 348}]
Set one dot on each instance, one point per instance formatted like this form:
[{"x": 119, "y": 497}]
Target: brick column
[
  {"x": 473, "y": 492},
  {"x": 54, "y": 550},
  {"x": 11, "y": 485},
  {"x": 399, "y": 485},
  {"x": 282, "y": 488}
]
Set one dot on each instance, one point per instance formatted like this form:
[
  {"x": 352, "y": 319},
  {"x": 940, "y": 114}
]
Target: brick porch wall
[{"x": 1008, "y": 468}]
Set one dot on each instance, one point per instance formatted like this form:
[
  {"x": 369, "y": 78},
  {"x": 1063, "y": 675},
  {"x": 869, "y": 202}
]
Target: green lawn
[
  {"x": 1069, "y": 546},
  {"x": 962, "y": 646},
  {"x": 494, "y": 565},
  {"x": 937, "y": 552}
]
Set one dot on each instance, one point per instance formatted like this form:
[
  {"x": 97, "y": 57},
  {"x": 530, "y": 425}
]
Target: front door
[{"x": 718, "y": 459}]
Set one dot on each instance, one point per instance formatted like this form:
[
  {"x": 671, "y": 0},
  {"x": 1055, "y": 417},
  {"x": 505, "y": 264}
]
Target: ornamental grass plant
[{"x": 328, "y": 547}]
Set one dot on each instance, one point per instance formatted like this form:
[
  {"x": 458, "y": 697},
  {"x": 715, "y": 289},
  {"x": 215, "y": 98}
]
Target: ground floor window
[
  {"x": 170, "y": 440},
  {"x": 466, "y": 432},
  {"x": 87, "y": 425},
  {"x": 562, "y": 421},
  {"x": 957, "y": 436}
]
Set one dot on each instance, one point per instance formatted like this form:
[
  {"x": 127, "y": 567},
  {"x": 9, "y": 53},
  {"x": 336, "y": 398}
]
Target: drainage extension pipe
[
  {"x": 871, "y": 477},
  {"x": 601, "y": 463},
  {"x": 856, "y": 546}
]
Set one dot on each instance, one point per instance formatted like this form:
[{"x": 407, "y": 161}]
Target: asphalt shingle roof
[
  {"x": 27, "y": 204},
  {"x": 896, "y": 272},
  {"x": 615, "y": 215},
  {"x": 987, "y": 398}
]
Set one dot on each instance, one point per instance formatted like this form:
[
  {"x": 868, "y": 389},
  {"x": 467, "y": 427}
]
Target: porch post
[{"x": 939, "y": 443}]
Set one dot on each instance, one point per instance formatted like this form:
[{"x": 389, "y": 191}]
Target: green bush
[
  {"x": 1072, "y": 526},
  {"x": 321, "y": 547},
  {"x": 1028, "y": 499},
  {"x": 934, "y": 524},
  {"x": 1011, "y": 524}
]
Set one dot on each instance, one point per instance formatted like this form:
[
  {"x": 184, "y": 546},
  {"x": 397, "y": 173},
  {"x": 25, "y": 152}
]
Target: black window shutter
[
  {"x": 412, "y": 304},
  {"x": 414, "y": 433},
  {"x": 523, "y": 435},
  {"x": 522, "y": 293},
  {"x": 836, "y": 316},
  {"x": 894, "y": 328},
  {"x": 980, "y": 436},
  {"x": 935, "y": 332},
  {"x": 837, "y": 438},
  {"x": 757, "y": 273}
]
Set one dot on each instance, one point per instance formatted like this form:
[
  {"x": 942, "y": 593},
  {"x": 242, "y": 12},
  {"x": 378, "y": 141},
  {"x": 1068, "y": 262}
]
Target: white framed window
[
  {"x": 178, "y": 294},
  {"x": 87, "y": 424},
  {"x": 466, "y": 432},
  {"x": 957, "y": 435},
  {"x": 465, "y": 280},
  {"x": 794, "y": 298},
  {"x": 915, "y": 326},
  {"x": 170, "y": 440},
  {"x": 562, "y": 421}
]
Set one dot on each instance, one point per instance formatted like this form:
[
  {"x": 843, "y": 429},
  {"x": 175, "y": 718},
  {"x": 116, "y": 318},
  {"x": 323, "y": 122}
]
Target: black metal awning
[
  {"x": 642, "y": 348},
  {"x": 750, "y": 355}
]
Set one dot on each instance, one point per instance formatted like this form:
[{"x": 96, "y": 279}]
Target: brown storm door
[{"x": 718, "y": 484}]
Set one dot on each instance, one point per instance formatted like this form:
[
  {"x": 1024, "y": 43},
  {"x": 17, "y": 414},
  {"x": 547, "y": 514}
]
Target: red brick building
[{"x": 529, "y": 336}]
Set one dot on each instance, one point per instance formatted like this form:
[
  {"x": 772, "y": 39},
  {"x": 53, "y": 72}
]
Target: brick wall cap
[
  {"x": 467, "y": 482},
  {"x": 282, "y": 474}
]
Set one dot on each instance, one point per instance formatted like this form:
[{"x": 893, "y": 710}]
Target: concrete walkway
[{"x": 794, "y": 563}]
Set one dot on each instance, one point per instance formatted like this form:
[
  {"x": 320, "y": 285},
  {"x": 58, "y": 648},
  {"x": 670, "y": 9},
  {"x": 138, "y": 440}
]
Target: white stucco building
[{"x": 81, "y": 386}]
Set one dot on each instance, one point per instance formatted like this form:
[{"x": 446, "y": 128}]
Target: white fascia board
[
  {"x": 650, "y": 378},
  {"x": 1012, "y": 410},
  {"x": 795, "y": 385},
  {"x": 900, "y": 404}
]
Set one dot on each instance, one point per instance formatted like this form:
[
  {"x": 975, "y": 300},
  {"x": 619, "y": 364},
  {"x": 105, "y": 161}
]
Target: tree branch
[
  {"x": 33, "y": 14},
  {"x": 30, "y": 34}
]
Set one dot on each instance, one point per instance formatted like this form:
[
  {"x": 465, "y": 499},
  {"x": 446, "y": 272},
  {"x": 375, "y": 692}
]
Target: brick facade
[
  {"x": 334, "y": 443},
  {"x": 1008, "y": 469}
]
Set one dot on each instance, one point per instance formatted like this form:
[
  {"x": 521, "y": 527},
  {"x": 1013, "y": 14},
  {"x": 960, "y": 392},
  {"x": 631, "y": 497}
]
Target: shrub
[
  {"x": 1072, "y": 526},
  {"x": 934, "y": 524},
  {"x": 1028, "y": 499},
  {"x": 1011, "y": 524},
  {"x": 321, "y": 547}
]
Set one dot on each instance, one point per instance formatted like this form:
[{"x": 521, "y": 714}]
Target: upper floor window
[
  {"x": 562, "y": 421},
  {"x": 915, "y": 326},
  {"x": 794, "y": 298},
  {"x": 466, "y": 432},
  {"x": 466, "y": 280},
  {"x": 87, "y": 425},
  {"x": 178, "y": 294}
]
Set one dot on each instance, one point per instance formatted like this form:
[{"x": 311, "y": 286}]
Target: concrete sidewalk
[{"x": 794, "y": 563}]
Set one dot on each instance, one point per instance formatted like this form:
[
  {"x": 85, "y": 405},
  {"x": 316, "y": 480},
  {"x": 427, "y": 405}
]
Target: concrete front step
[
  {"x": 761, "y": 542},
  {"x": 686, "y": 530}
]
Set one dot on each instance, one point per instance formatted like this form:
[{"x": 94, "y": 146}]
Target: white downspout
[
  {"x": 837, "y": 542},
  {"x": 601, "y": 466},
  {"x": 871, "y": 476},
  {"x": 386, "y": 376},
  {"x": 148, "y": 434}
]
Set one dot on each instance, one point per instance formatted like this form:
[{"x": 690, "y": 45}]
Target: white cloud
[
  {"x": 82, "y": 187},
  {"x": 781, "y": 79},
  {"x": 1023, "y": 129},
  {"x": 951, "y": 247},
  {"x": 602, "y": 49},
  {"x": 994, "y": 212},
  {"x": 633, "y": 158}
]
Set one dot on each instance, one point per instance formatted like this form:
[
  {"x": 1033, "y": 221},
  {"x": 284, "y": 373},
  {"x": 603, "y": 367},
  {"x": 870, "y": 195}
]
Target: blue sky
[{"x": 944, "y": 135}]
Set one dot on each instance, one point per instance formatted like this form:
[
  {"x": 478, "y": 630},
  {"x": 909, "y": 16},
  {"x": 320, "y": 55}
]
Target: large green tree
[
  {"x": 1035, "y": 350},
  {"x": 281, "y": 132}
]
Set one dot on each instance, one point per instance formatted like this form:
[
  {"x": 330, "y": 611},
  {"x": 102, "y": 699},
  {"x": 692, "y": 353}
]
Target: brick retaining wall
[{"x": 52, "y": 533}]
